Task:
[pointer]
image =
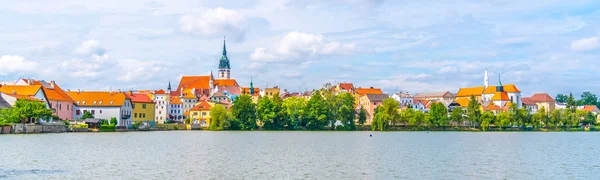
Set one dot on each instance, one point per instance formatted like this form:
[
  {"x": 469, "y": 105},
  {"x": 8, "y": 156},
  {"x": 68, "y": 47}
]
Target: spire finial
[
  {"x": 224, "y": 48},
  {"x": 499, "y": 81},
  {"x": 169, "y": 87}
]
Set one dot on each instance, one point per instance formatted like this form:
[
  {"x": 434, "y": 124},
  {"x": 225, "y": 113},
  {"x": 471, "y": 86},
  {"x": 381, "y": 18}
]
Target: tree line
[{"x": 321, "y": 111}]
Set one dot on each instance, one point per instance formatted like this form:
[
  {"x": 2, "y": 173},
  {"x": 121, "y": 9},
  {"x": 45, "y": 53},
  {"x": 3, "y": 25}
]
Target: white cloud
[
  {"x": 215, "y": 22},
  {"x": 15, "y": 64},
  {"x": 297, "y": 46},
  {"x": 137, "y": 70},
  {"x": 585, "y": 44},
  {"x": 90, "y": 47}
]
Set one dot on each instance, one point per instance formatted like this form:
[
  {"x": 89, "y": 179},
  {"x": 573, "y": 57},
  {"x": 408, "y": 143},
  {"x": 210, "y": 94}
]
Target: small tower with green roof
[{"x": 224, "y": 68}]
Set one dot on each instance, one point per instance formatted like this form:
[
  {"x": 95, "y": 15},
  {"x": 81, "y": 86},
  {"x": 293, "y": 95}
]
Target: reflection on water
[{"x": 300, "y": 155}]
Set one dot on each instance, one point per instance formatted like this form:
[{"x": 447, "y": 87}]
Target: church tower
[
  {"x": 224, "y": 69},
  {"x": 486, "y": 79}
]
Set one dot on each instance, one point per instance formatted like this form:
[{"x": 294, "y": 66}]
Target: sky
[{"x": 416, "y": 46}]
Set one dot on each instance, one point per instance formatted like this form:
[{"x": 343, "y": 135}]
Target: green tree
[
  {"x": 25, "y": 109},
  {"x": 539, "y": 117},
  {"x": 362, "y": 116},
  {"x": 571, "y": 103},
  {"x": 380, "y": 120},
  {"x": 219, "y": 118},
  {"x": 438, "y": 115},
  {"x": 503, "y": 119},
  {"x": 417, "y": 119},
  {"x": 87, "y": 115},
  {"x": 266, "y": 113},
  {"x": 561, "y": 98},
  {"x": 317, "y": 111},
  {"x": 244, "y": 110},
  {"x": 588, "y": 98},
  {"x": 280, "y": 115},
  {"x": 473, "y": 110},
  {"x": 294, "y": 109},
  {"x": 406, "y": 116},
  {"x": 347, "y": 116},
  {"x": 457, "y": 116},
  {"x": 113, "y": 121},
  {"x": 487, "y": 118},
  {"x": 555, "y": 118}
]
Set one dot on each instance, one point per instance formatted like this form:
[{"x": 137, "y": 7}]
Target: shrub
[
  {"x": 113, "y": 121},
  {"x": 82, "y": 126},
  {"x": 108, "y": 128},
  {"x": 67, "y": 123}
]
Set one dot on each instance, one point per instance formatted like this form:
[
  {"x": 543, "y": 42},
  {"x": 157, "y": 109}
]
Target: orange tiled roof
[
  {"x": 364, "y": 91},
  {"x": 188, "y": 94},
  {"x": 27, "y": 90},
  {"x": 463, "y": 101},
  {"x": 346, "y": 86},
  {"x": 98, "y": 98},
  {"x": 160, "y": 91},
  {"x": 500, "y": 96},
  {"x": 198, "y": 82},
  {"x": 175, "y": 100},
  {"x": 225, "y": 82},
  {"x": 17, "y": 96},
  {"x": 491, "y": 107},
  {"x": 203, "y": 106},
  {"x": 542, "y": 97},
  {"x": 467, "y": 92},
  {"x": 509, "y": 88},
  {"x": 139, "y": 98},
  {"x": 591, "y": 108},
  {"x": 53, "y": 93},
  {"x": 508, "y": 104}
]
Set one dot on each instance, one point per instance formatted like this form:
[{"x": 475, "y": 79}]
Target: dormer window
[
  {"x": 111, "y": 102},
  {"x": 83, "y": 102},
  {"x": 100, "y": 102},
  {"x": 94, "y": 102},
  {"x": 78, "y": 102}
]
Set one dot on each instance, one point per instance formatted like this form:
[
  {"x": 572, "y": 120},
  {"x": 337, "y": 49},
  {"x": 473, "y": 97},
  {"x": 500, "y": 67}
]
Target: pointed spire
[
  {"x": 224, "y": 48},
  {"x": 499, "y": 81},
  {"x": 169, "y": 87},
  {"x": 251, "y": 86},
  {"x": 486, "y": 79}
]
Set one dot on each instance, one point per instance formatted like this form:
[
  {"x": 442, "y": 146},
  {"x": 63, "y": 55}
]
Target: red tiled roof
[
  {"x": 542, "y": 97},
  {"x": 160, "y": 92},
  {"x": 139, "y": 98},
  {"x": 528, "y": 101},
  {"x": 346, "y": 86},
  {"x": 591, "y": 108},
  {"x": 53, "y": 91},
  {"x": 364, "y": 91}
]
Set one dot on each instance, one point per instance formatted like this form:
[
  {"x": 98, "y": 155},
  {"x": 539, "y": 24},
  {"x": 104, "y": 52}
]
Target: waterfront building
[
  {"x": 11, "y": 93},
  {"x": 370, "y": 102},
  {"x": 344, "y": 87},
  {"x": 175, "y": 109},
  {"x": 530, "y": 105},
  {"x": 443, "y": 97},
  {"x": 543, "y": 100},
  {"x": 403, "y": 98},
  {"x": 142, "y": 107},
  {"x": 360, "y": 92},
  {"x": 103, "y": 105},
  {"x": 161, "y": 107},
  {"x": 189, "y": 99},
  {"x": 58, "y": 100},
  {"x": 486, "y": 93},
  {"x": 200, "y": 114}
]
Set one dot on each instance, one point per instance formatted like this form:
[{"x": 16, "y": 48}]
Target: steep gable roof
[
  {"x": 467, "y": 92},
  {"x": 202, "y": 106},
  {"x": 346, "y": 86},
  {"x": 4, "y": 103},
  {"x": 53, "y": 91},
  {"x": 198, "y": 82},
  {"x": 175, "y": 100},
  {"x": 542, "y": 97},
  {"x": 591, "y": 108},
  {"x": 98, "y": 98},
  {"x": 509, "y": 88},
  {"x": 500, "y": 96},
  {"x": 27, "y": 90}
]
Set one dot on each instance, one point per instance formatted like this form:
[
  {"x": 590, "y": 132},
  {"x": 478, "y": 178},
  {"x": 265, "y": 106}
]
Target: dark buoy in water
[
  {"x": 427, "y": 132},
  {"x": 370, "y": 135}
]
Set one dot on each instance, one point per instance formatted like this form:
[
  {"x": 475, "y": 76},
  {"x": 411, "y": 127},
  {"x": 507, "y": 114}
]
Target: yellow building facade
[
  {"x": 200, "y": 114},
  {"x": 143, "y": 107}
]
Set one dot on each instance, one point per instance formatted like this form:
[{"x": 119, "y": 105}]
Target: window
[
  {"x": 67, "y": 107},
  {"x": 100, "y": 111},
  {"x": 135, "y": 115},
  {"x": 143, "y": 106},
  {"x": 159, "y": 112},
  {"x": 78, "y": 112},
  {"x": 100, "y": 102},
  {"x": 195, "y": 113},
  {"x": 94, "y": 102},
  {"x": 204, "y": 113},
  {"x": 59, "y": 106},
  {"x": 93, "y": 112},
  {"x": 84, "y": 111}
]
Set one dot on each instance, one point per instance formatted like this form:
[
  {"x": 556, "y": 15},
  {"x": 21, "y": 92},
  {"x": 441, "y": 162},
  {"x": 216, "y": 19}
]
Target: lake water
[{"x": 301, "y": 155}]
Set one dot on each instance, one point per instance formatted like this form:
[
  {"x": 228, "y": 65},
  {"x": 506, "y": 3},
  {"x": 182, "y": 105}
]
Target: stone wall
[
  {"x": 5, "y": 129},
  {"x": 35, "y": 128}
]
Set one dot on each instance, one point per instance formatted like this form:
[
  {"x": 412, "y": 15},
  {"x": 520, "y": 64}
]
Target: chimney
[
  {"x": 78, "y": 90},
  {"x": 52, "y": 84},
  {"x": 30, "y": 81},
  {"x": 130, "y": 93},
  {"x": 371, "y": 87}
]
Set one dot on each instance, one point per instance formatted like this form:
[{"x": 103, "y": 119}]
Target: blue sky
[{"x": 418, "y": 46}]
